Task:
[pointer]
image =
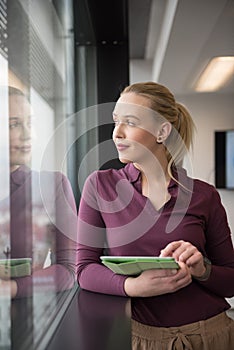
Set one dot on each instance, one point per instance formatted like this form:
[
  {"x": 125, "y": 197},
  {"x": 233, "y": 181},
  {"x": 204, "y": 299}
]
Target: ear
[{"x": 163, "y": 132}]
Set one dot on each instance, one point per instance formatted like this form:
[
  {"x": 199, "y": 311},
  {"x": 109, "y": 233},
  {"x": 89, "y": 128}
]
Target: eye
[
  {"x": 130, "y": 123},
  {"x": 14, "y": 125},
  {"x": 116, "y": 122}
]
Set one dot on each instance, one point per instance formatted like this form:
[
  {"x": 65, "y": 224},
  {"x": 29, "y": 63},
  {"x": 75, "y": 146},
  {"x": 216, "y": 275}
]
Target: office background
[{"x": 74, "y": 57}]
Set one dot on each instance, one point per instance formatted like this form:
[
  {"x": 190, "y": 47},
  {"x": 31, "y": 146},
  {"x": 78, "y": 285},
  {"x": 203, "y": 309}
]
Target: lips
[
  {"x": 23, "y": 149},
  {"x": 121, "y": 147}
]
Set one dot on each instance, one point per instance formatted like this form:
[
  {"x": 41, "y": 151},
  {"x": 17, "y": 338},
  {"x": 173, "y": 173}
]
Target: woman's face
[
  {"x": 19, "y": 131},
  {"x": 136, "y": 129}
]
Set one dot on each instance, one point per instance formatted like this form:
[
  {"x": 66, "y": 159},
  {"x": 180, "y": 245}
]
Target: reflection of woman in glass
[
  {"x": 151, "y": 208},
  {"x": 42, "y": 212}
]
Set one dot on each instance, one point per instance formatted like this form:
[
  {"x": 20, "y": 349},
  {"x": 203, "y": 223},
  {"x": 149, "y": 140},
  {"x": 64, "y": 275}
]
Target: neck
[
  {"x": 14, "y": 168},
  {"x": 155, "y": 170},
  {"x": 155, "y": 181}
]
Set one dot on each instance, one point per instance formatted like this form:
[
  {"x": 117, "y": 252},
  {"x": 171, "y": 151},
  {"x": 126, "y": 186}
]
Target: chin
[
  {"x": 21, "y": 161},
  {"x": 125, "y": 161}
]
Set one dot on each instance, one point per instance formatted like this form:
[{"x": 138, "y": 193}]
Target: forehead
[
  {"x": 18, "y": 105},
  {"x": 132, "y": 97},
  {"x": 133, "y": 104}
]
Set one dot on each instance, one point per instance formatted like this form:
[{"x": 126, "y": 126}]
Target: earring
[{"x": 159, "y": 140}]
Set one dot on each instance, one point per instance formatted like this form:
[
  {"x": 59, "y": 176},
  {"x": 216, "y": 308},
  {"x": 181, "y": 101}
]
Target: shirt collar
[
  {"x": 132, "y": 172},
  {"x": 179, "y": 174},
  {"x": 181, "y": 178}
]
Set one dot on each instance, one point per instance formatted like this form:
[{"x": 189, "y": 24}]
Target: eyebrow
[
  {"x": 13, "y": 119},
  {"x": 16, "y": 117},
  {"x": 126, "y": 116}
]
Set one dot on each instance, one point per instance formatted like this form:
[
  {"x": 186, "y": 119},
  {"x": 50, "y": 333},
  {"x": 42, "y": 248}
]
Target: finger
[
  {"x": 186, "y": 253},
  {"x": 170, "y": 248},
  {"x": 181, "y": 279},
  {"x": 191, "y": 256},
  {"x": 195, "y": 259},
  {"x": 155, "y": 273},
  {"x": 182, "y": 282}
]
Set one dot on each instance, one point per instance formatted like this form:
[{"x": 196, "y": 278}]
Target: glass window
[{"x": 38, "y": 212}]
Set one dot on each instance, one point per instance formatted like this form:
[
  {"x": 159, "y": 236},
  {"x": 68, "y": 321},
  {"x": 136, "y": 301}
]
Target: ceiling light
[{"x": 216, "y": 74}]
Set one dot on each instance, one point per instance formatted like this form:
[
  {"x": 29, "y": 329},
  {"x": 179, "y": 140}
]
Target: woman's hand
[
  {"x": 158, "y": 281},
  {"x": 187, "y": 253},
  {"x": 8, "y": 288}
]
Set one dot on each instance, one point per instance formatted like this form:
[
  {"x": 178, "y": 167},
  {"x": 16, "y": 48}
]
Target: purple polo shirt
[
  {"x": 43, "y": 218},
  {"x": 115, "y": 217}
]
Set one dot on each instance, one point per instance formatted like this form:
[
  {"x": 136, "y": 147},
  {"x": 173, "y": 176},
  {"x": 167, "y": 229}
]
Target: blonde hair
[{"x": 163, "y": 102}]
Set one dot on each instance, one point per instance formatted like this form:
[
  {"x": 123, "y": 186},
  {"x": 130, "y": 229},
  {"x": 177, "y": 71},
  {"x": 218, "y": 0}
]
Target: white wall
[{"x": 210, "y": 112}]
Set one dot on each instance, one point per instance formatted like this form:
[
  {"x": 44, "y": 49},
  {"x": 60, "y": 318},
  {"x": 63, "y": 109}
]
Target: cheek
[
  {"x": 13, "y": 138},
  {"x": 145, "y": 138}
]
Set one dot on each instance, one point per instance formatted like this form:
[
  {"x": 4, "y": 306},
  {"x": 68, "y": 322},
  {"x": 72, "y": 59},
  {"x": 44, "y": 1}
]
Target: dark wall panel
[{"x": 103, "y": 24}]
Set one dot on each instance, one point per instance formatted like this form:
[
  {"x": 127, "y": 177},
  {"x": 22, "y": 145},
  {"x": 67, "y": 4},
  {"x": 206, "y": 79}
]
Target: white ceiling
[{"x": 177, "y": 38}]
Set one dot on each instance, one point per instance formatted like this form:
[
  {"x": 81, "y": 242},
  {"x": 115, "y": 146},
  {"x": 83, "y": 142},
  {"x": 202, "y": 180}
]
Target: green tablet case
[
  {"x": 11, "y": 268},
  {"x": 135, "y": 265}
]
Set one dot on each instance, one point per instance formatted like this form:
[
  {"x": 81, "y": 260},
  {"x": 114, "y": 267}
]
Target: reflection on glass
[
  {"x": 5, "y": 323},
  {"x": 37, "y": 208},
  {"x": 42, "y": 223},
  {"x": 38, "y": 201}
]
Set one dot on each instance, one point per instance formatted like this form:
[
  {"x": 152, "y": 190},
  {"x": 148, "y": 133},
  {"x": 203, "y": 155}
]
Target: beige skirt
[{"x": 216, "y": 333}]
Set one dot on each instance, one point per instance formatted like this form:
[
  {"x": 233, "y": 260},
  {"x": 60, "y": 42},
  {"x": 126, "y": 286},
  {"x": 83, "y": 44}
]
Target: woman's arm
[
  {"x": 61, "y": 275},
  {"x": 219, "y": 250},
  {"x": 92, "y": 274}
]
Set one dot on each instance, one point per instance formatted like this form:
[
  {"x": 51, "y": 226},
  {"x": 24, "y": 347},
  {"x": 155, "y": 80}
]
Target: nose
[
  {"x": 25, "y": 132},
  {"x": 118, "y": 131}
]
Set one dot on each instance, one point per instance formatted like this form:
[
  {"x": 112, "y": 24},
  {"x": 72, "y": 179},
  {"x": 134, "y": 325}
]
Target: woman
[
  {"x": 151, "y": 208},
  {"x": 43, "y": 215}
]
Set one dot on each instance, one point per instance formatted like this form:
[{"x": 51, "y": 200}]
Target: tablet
[
  {"x": 15, "y": 267},
  {"x": 134, "y": 265}
]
